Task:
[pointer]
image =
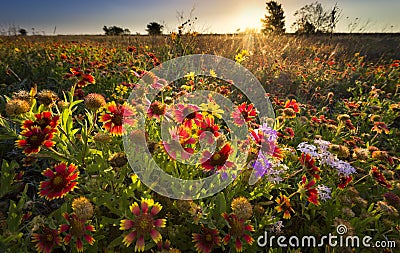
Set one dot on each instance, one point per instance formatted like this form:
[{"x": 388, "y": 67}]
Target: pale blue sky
[{"x": 218, "y": 16}]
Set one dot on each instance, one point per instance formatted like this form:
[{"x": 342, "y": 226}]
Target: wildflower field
[{"x": 75, "y": 114}]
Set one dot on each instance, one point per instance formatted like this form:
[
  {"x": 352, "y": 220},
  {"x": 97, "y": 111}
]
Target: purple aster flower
[
  {"x": 270, "y": 135},
  {"x": 261, "y": 165},
  {"x": 322, "y": 144},
  {"x": 264, "y": 167},
  {"x": 324, "y": 192},
  {"x": 306, "y": 148}
]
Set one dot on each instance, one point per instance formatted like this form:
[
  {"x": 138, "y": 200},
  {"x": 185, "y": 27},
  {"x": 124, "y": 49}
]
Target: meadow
[{"x": 325, "y": 163}]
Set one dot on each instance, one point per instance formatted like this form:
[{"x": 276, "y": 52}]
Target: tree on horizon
[
  {"x": 313, "y": 19},
  {"x": 115, "y": 30},
  {"x": 274, "y": 21},
  {"x": 154, "y": 28}
]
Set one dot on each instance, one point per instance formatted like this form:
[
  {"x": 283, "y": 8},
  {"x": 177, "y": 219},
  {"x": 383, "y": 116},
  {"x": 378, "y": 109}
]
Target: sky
[{"x": 213, "y": 16}]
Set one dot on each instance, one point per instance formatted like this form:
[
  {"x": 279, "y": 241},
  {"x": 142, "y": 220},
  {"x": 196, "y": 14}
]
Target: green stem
[
  {"x": 294, "y": 174},
  {"x": 68, "y": 138},
  {"x": 373, "y": 138},
  {"x": 85, "y": 145},
  {"x": 59, "y": 154},
  {"x": 359, "y": 180}
]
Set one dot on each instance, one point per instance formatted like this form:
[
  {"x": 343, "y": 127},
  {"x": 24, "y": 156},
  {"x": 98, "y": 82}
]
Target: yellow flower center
[
  {"x": 144, "y": 224},
  {"x": 117, "y": 119},
  {"x": 216, "y": 157},
  {"x": 237, "y": 228},
  {"x": 158, "y": 108},
  {"x": 49, "y": 237},
  {"x": 208, "y": 238},
  {"x": 77, "y": 227},
  {"x": 58, "y": 180}
]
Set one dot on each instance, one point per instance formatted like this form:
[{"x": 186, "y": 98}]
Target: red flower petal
[
  {"x": 140, "y": 244},
  {"x": 129, "y": 238}
]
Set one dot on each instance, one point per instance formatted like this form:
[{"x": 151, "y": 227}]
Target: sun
[{"x": 249, "y": 19}]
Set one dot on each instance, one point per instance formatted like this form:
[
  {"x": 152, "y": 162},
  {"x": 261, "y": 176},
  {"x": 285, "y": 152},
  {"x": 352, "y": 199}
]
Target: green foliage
[{"x": 7, "y": 178}]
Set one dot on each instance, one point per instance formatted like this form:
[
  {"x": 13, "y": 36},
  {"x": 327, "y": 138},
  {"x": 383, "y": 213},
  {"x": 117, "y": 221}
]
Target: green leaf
[
  {"x": 220, "y": 207},
  {"x": 117, "y": 241},
  {"x": 7, "y": 177}
]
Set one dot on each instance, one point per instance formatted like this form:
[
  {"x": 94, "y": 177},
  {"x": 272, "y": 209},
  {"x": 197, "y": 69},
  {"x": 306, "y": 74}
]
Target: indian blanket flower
[
  {"x": 208, "y": 125},
  {"x": 156, "y": 110},
  {"x": 218, "y": 160},
  {"x": 131, "y": 49},
  {"x": 83, "y": 78},
  {"x": 383, "y": 156},
  {"x": 115, "y": 116},
  {"x": 244, "y": 113},
  {"x": 238, "y": 231},
  {"x": 42, "y": 120},
  {"x": 289, "y": 113},
  {"x": 288, "y": 133},
  {"x": 77, "y": 230},
  {"x": 307, "y": 188},
  {"x": 46, "y": 240},
  {"x": 344, "y": 181},
  {"x": 60, "y": 181},
  {"x": 118, "y": 160},
  {"x": 309, "y": 164},
  {"x": 351, "y": 105},
  {"x": 343, "y": 117},
  {"x": 180, "y": 143},
  {"x": 163, "y": 246},
  {"x": 34, "y": 138},
  {"x": 207, "y": 240},
  {"x": 38, "y": 132},
  {"x": 292, "y": 104},
  {"x": 386, "y": 208},
  {"x": 284, "y": 206},
  {"x": 392, "y": 198},
  {"x": 380, "y": 178},
  {"x": 143, "y": 224},
  {"x": 349, "y": 125},
  {"x": 361, "y": 154},
  {"x": 188, "y": 115},
  {"x": 380, "y": 127}
]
